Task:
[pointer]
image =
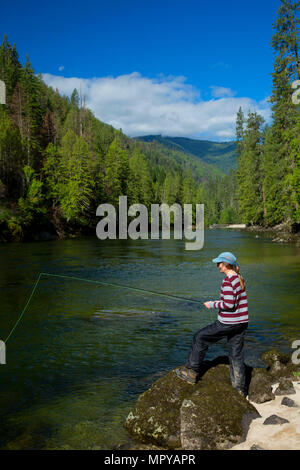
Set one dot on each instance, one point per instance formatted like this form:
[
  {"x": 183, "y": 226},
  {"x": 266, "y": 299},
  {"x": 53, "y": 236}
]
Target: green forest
[
  {"x": 268, "y": 173},
  {"x": 58, "y": 162}
]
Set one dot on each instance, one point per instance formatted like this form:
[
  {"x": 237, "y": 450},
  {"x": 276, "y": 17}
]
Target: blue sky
[{"x": 152, "y": 66}]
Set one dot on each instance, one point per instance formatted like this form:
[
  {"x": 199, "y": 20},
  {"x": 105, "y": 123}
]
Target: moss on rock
[
  {"x": 279, "y": 365},
  {"x": 176, "y": 414}
]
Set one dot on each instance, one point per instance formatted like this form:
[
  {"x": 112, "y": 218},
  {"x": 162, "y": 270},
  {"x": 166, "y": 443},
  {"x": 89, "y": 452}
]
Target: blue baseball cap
[{"x": 226, "y": 257}]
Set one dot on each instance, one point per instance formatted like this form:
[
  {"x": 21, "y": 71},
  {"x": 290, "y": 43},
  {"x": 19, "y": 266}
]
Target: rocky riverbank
[
  {"x": 281, "y": 233},
  {"x": 278, "y": 427},
  {"x": 173, "y": 414}
]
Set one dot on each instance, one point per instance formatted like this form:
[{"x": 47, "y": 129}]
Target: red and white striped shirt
[{"x": 233, "y": 306}]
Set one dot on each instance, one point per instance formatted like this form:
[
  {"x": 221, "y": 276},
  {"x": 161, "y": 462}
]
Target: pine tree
[
  {"x": 10, "y": 155},
  {"x": 139, "y": 186},
  {"x": 75, "y": 98},
  {"x": 31, "y": 203},
  {"x": 76, "y": 182},
  {"x": 116, "y": 172},
  {"x": 189, "y": 189},
  {"x": 33, "y": 114},
  {"x": 281, "y": 157},
  {"x": 10, "y": 68},
  {"x": 250, "y": 171},
  {"x": 240, "y": 122}
]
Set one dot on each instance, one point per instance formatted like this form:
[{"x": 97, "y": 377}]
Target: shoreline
[
  {"x": 280, "y": 233},
  {"x": 260, "y": 436},
  {"x": 275, "y": 436}
]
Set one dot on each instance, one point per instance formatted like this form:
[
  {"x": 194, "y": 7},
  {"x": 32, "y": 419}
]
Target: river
[{"x": 82, "y": 353}]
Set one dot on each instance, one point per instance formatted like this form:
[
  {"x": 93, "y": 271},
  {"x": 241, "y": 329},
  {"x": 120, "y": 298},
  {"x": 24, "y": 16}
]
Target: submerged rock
[{"x": 209, "y": 415}]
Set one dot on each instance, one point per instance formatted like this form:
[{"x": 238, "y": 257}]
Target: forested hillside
[
  {"x": 220, "y": 154},
  {"x": 58, "y": 163}
]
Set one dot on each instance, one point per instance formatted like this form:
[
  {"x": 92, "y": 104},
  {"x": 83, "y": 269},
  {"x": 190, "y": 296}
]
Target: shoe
[{"x": 188, "y": 375}]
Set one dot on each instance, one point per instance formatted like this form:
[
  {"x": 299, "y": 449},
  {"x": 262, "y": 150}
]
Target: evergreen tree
[
  {"x": 31, "y": 203},
  {"x": 281, "y": 157},
  {"x": 140, "y": 187},
  {"x": 53, "y": 174},
  {"x": 33, "y": 114},
  {"x": 116, "y": 172},
  {"x": 240, "y": 122},
  {"x": 10, "y": 68},
  {"x": 249, "y": 173},
  {"x": 76, "y": 182},
  {"x": 10, "y": 156},
  {"x": 75, "y": 98}
]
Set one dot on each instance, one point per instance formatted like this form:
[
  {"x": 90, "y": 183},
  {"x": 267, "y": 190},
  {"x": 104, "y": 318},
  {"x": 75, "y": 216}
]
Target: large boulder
[{"x": 177, "y": 415}]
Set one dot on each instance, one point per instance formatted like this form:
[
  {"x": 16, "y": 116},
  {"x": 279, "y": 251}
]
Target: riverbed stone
[
  {"x": 286, "y": 401},
  {"x": 285, "y": 387},
  {"x": 275, "y": 419},
  {"x": 177, "y": 415},
  {"x": 260, "y": 389},
  {"x": 256, "y": 447}
]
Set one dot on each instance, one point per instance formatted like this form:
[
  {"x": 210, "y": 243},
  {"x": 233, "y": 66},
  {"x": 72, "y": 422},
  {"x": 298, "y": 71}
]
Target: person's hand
[{"x": 206, "y": 304}]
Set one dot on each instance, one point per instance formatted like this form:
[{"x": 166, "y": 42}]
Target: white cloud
[
  {"x": 61, "y": 68},
  {"x": 221, "y": 92},
  {"x": 164, "y": 105}
]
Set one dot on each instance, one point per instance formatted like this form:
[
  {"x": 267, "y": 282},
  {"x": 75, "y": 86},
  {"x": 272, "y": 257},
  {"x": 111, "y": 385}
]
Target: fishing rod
[{"x": 104, "y": 283}]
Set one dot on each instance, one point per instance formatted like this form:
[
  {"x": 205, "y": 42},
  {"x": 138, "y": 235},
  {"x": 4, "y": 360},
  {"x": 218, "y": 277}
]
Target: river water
[{"x": 82, "y": 353}]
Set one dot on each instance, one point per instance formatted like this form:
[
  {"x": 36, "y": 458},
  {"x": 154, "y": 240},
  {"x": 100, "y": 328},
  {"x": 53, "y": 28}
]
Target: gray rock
[
  {"x": 285, "y": 387},
  {"x": 274, "y": 419},
  {"x": 288, "y": 402},
  {"x": 256, "y": 447},
  {"x": 260, "y": 389},
  {"x": 175, "y": 414}
]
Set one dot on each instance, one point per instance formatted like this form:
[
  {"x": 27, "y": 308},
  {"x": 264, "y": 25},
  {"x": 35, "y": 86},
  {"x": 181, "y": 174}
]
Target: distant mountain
[{"x": 220, "y": 154}]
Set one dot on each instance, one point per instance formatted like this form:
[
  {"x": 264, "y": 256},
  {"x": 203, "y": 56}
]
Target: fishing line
[{"x": 122, "y": 286}]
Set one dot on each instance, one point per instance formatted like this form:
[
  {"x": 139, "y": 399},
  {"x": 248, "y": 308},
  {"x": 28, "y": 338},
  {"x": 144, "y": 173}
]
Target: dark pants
[{"x": 235, "y": 339}]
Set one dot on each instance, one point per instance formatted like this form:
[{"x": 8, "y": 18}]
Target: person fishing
[{"x": 232, "y": 323}]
